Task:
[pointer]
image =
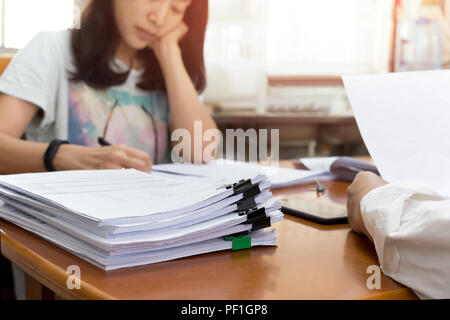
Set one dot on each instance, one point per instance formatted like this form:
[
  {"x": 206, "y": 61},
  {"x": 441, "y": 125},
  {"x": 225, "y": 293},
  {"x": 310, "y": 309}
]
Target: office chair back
[{"x": 4, "y": 62}]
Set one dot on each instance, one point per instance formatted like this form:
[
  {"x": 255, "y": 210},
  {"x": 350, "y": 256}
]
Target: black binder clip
[
  {"x": 261, "y": 224},
  {"x": 253, "y": 191},
  {"x": 246, "y": 204},
  {"x": 241, "y": 186},
  {"x": 254, "y": 215}
]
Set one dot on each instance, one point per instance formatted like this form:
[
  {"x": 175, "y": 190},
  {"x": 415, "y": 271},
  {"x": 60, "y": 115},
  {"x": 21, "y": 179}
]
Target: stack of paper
[
  {"x": 123, "y": 218},
  {"x": 221, "y": 170}
]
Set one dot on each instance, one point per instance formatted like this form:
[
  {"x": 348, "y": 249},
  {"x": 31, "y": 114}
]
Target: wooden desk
[{"x": 310, "y": 262}]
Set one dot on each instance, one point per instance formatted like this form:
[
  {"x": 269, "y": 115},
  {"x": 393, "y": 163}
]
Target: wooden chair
[{"x": 4, "y": 62}]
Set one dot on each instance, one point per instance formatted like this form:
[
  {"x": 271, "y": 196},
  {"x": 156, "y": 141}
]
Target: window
[
  {"x": 328, "y": 37},
  {"x": 250, "y": 41},
  {"x": 305, "y": 37},
  {"x": 21, "y": 20},
  {"x": 235, "y": 50}
]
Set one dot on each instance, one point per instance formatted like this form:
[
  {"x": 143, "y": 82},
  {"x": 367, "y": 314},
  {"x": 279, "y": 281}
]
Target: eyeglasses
[{"x": 155, "y": 131}]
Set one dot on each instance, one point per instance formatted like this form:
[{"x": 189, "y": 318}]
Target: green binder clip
[{"x": 240, "y": 242}]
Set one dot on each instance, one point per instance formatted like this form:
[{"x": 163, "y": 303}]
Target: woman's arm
[
  {"x": 408, "y": 223},
  {"x": 19, "y": 156},
  {"x": 185, "y": 105}
]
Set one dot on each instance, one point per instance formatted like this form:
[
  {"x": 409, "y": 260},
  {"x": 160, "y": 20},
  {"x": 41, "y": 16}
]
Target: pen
[{"x": 103, "y": 142}]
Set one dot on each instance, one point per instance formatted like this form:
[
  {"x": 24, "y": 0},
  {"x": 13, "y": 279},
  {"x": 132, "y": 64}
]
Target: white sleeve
[
  {"x": 33, "y": 75},
  {"x": 410, "y": 225}
]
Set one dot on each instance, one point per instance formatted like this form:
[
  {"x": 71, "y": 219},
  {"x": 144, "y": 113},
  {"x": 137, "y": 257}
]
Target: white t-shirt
[{"x": 123, "y": 114}]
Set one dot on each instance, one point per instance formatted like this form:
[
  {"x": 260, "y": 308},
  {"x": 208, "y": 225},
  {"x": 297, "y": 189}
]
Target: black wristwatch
[{"x": 51, "y": 152}]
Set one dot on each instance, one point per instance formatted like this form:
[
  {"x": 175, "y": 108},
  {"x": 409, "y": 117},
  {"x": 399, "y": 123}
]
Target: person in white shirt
[{"x": 409, "y": 223}]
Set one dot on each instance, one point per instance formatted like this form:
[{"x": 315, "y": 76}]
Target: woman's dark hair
[{"x": 94, "y": 47}]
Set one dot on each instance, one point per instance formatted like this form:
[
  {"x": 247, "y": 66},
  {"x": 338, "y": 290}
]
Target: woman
[{"x": 129, "y": 77}]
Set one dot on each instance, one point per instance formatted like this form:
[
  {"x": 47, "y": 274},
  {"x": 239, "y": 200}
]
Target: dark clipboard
[{"x": 315, "y": 211}]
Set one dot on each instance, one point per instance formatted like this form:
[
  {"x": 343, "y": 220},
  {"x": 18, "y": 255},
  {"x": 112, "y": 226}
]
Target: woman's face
[{"x": 142, "y": 22}]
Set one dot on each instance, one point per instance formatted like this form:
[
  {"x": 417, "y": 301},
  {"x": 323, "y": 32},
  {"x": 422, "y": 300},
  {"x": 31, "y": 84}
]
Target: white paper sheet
[
  {"x": 183, "y": 211},
  {"x": 404, "y": 119},
  {"x": 154, "y": 238},
  {"x": 215, "y": 209},
  {"x": 105, "y": 196},
  {"x": 141, "y": 256},
  {"x": 219, "y": 170},
  {"x": 21, "y": 202},
  {"x": 318, "y": 164}
]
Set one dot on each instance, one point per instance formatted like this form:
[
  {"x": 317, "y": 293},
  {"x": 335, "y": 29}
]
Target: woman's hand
[
  {"x": 362, "y": 185},
  {"x": 72, "y": 157},
  {"x": 169, "y": 41}
]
